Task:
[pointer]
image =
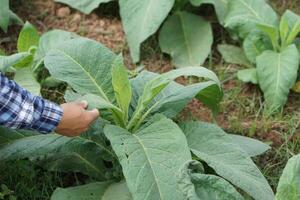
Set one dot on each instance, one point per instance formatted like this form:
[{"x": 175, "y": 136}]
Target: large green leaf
[
  {"x": 233, "y": 54},
  {"x": 85, "y": 6},
  {"x": 289, "y": 183},
  {"x": 94, "y": 191},
  {"x": 4, "y": 14},
  {"x": 85, "y": 65},
  {"x": 221, "y": 7},
  {"x": 9, "y": 135},
  {"x": 245, "y": 14},
  {"x": 28, "y": 37},
  {"x": 212, "y": 145},
  {"x": 51, "y": 40},
  {"x": 187, "y": 38},
  {"x": 151, "y": 158},
  {"x": 251, "y": 146},
  {"x": 198, "y": 186},
  {"x": 9, "y": 61},
  {"x": 139, "y": 20},
  {"x": 60, "y": 153},
  {"x": 277, "y": 73},
  {"x": 24, "y": 77}
]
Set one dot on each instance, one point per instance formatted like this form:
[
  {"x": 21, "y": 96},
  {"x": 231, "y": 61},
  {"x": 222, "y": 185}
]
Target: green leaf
[
  {"x": 196, "y": 185},
  {"x": 248, "y": 75},
  {"x": 212, "y": 145},
  {"x": 255, "y": 44},
  {"x": 151, "y": 158},
  {"x": 4, "y": 14},
  {"x": 233, "y": 54},
  {"x": 245, "y": 14},
  {"x": 94, "y": 191},
  {"x": 60, "y": 153},
  {"x": 251, "y": 146},
  {"x": 25, "y": 78},
  {"x": 14, "y": 19},
  {"x": 155, "y": 86},
  {"x": 9, "y": 61},
  {"x": 214, "y": 188},
  {"x": 85, "y": 6},
  {"x": 221, "y": 7},
  {"x": 175, "y": 96},
  {"x": 28, "y": 37},
  {"x": 85, "y": 65},
  {"x": 283, "y": 30},
  {"x": 121, "y": 85},
  {"x": 272, "y": 33},
  {"x": 9, "y": 135},
  {"x": 192, "y": 42},
  {"x": 277, "y": 74},
  {"x": 139, "y": 22},
  {"x": 51, "y": 40},
  {"x": 289, "y": 183}
]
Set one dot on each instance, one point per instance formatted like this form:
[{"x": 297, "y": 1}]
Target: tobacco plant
[
  {"x": 137, "y": 149},
  {"x": 269, "y": 44},
  {"x": 184, "y": 35}
]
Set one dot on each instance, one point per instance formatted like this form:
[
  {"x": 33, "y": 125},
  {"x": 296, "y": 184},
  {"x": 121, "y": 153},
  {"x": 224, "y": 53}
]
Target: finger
[
  {"x": 83, "y": 104},
  {"x": 93, "y": 114}
]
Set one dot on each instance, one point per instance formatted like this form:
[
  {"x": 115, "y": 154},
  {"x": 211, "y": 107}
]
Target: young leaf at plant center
[
  {"x": 251, "y": 146},
  {"x": 273, "y": 34},
  {"x": 277, "y": 74},
  {"x": 197, "y": 185},
  {"x": 255, "y": 44},
  {"x": 156, "y": 85},
  {"x": 233, "y": 54},
  {"x": 289, "y": 183},
  {"x": 248, "y": 75},
  {"x": 191, "y": 44},
  {"x": 94, "y": 191},
  {"x": 221, "y": 7},
  {"x": 245, "y": 14},
  {"x": 212, "y": 145},
  {"x": 24, "y": 77},
  {"x": 28, "y": 37},
  {"x": 121, "y": 85},
  {"x": 151, "y": 158},
  {"x": 9, "y": 61},
  {"x": 85, "y": 6},
  {"x": 4, "y": 14},
  {"x": 139, "y": 22}
]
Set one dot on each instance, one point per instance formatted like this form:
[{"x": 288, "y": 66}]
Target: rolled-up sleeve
[{"x": 19, "y": 109}]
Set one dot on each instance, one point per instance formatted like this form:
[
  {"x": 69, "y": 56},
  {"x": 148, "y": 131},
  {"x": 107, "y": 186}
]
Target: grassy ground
[{"x": 241, "y": 108}]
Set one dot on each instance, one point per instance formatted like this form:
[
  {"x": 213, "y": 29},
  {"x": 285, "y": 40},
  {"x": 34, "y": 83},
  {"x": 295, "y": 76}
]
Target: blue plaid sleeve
[{"x": 19, "y": 109}]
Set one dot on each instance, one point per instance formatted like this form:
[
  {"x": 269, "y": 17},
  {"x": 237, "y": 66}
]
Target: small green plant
[
  {"x": 7, "y": 17},
  {"x": 269, "y": 44},
  {"x": 136, "y": 150}
]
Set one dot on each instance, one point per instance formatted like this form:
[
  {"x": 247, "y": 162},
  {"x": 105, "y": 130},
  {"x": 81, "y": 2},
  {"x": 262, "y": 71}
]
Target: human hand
[{"x": 76, "y": 119}]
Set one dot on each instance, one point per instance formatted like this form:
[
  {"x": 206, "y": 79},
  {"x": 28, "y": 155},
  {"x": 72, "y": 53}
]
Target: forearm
[{"x": 19, "y": 109}]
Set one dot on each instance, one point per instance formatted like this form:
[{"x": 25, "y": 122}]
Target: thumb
[{"x": 94, "y": 113}]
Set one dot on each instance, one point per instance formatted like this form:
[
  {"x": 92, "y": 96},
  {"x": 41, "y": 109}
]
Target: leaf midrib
[
  {"x": 151, "y": 167},
  {"x": 102, "y": 93}
]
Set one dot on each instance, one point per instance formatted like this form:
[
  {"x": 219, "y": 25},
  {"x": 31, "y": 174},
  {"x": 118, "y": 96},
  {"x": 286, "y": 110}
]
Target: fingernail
[{"x": 85, "y": 103}]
